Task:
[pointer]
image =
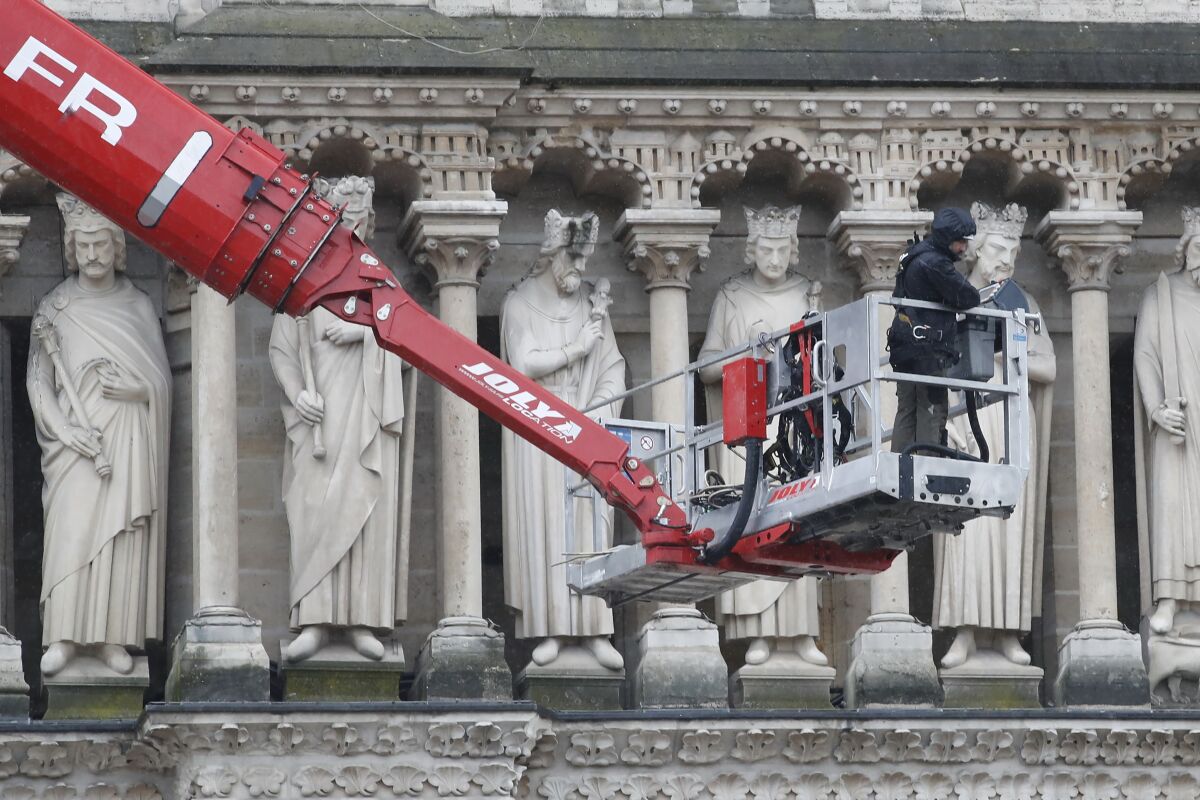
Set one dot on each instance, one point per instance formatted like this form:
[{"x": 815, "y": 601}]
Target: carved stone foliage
[{"x": 516, "y": 754}]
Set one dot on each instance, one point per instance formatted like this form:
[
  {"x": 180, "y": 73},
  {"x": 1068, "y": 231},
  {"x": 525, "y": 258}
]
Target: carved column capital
[
  {"x": 1088, "y": 244},
  {"x": 872, "y": 241},
  {"x": 454, "y": 241},
  {"x": 12, "y": 231},
  {"x": 666, "y": 245}
]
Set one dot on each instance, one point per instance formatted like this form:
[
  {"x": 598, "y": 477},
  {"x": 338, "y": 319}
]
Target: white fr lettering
[
  {"x": 26, "y": 58},
  {"x": 78, "y": 100},
  {"x": 79, "y": 97}
]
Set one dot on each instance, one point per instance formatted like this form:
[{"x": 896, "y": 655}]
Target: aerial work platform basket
[{"x": 831, "y": 496}]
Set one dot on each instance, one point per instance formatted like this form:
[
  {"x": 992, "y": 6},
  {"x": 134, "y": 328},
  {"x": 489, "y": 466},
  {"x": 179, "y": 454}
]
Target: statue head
[
  {"x": 566, "y": 245},
  {"x": 92, "y": 244},
  {"x": 772, "y": 241},
  {"x": 355, "y": 195},
  {"x": 992, "y": 254},
  {"x": 1187, "y": 252}
]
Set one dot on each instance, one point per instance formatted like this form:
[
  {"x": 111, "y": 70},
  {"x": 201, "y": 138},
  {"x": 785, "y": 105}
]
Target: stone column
[
  {"x": 892, "y": 653},
  {"x": 454, "y": 241},
  {"x": 219, "y": 654},
  {"x": 679, "y": 659},
  {"x": 14, "y": 692},
  {"x": 1100, "y": 662}
]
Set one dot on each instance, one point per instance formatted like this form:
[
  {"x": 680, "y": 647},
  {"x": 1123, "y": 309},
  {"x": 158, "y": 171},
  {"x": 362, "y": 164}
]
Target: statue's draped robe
[
  {"x": 742, "y": 310},
  {"x": 344, "y": 511},
  {"x": 990, "y": 575},
  {"x": 103, "y": 563},
  {"x": 1172, "y": 470},
  {"x": 535, "y": 576}
]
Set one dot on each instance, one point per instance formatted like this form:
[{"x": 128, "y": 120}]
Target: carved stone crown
[
  {"x": 1008, "y": 221},
  {"x": 1191, "y": 221},
  {"x": 79, "y": 216},
  {"x": 772, "y": 222},
  {"x": 579, "y": 234}
]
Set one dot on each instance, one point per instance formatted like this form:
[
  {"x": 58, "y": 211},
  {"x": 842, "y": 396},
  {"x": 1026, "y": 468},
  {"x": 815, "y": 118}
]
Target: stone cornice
[
  {"x": 413, "y": 99},
  {"x": 12, "y": 231},
  {"x": 1088, "y": 245}
]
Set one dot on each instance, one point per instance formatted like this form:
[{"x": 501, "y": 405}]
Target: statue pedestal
[
  {"x": 681, "y": 665},
  {"x": 785, "y": 680},
  {"x": 463, "y": 659},
  {"x": 572, "y": 682},
  {"x": 1100, "y": 664},
  {"x": 14, "y": 692},
  {"x": 989, "y": 680},
  {"x": 87, "y": 689},
  {"x": 219, "y": 656},
  {"x": 892, "y": 664},
  {"x": 339, "y": 673}
]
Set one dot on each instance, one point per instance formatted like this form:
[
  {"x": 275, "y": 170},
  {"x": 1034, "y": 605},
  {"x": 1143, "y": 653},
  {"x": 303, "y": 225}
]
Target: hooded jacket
[{"x": 927, "y": 273}]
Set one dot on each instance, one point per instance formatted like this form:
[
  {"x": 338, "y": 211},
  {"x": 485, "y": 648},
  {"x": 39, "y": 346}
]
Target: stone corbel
[
  {"x": 1088, "y": 244},
  {"x": 872, "y": 241},
  {"x": 12, "y": 231},
  {"x": 454, "y": 241},
  {"x": 666, "y": 245}
]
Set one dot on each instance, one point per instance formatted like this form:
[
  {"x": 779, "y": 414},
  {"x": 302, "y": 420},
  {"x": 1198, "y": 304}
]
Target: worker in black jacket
[{"x": 922, "y": 340}]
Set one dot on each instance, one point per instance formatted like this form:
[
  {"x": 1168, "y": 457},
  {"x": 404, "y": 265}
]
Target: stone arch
[
  {"x": 588, "y": 165},
  {"x": 1031, "y": 168},
  {"x": 823, "y": 168}
]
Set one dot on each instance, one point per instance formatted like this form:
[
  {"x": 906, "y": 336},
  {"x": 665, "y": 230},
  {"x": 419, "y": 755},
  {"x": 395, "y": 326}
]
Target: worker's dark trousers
[{"x": 920, "y": 409}]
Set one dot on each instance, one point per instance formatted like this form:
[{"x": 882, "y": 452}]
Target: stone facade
[{"x": 466, "y": 164}]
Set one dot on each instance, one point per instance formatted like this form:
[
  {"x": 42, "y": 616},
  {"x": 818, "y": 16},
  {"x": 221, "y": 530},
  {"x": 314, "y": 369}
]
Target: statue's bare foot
[
  {"x": 604, "y": 652},
  {"x": 57, "y": 656},
  {"x": 1010, "y": 647},
  {"x": 547, "y": 651},
  {"x": 366, "y": 643},
  {"x": 960, "y": 649},
  {"x": 307, "y": 643},
  {"x": 117, "y": 658},
  {"x": 758, "y": 652},
  {"x": 806, "y": 648},
  {"x": 1163, "y": 618}
]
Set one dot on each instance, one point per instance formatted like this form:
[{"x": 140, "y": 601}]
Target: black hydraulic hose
[
  {"x": 719, "y": 547},
  {"x": 973, "y": 415}
]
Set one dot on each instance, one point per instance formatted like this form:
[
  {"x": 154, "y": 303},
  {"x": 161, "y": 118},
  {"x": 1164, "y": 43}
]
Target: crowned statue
[
  {"x": 347, "y": 466},
  {"x": 987, "y": 581},
  {"x": 555, "y": 328},
  {"x": 100, "y": 387},
  {"x": 776, "y": 616}
]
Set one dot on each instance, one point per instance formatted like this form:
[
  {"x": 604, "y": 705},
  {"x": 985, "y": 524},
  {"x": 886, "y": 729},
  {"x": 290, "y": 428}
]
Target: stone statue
[
  {"x": 774, "y": 615},
  {"x": 987, "y": 581},
  {"x": 100, "y": 388},
  {"x": 347, "y": 467},
  {"x": 556, "y": 330},
  {"x": 1166, "y": 360}
]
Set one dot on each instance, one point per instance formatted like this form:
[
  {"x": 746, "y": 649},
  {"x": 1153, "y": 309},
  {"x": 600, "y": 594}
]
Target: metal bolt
[
  {"x": 631, "y": 463},
  {"x": 325, "y": 218},
  {"x": 291, "y": 231},
  {"x": 250, "y": 217},
  {"x": 277, "y": 252},
  {"x": 276, "y": 180},
  {"x": 308, "y": 207},
  {"x": 267, "y": 228},
  {"x": 294, "y": 263},
  {"x": 292, "y": 191}
]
